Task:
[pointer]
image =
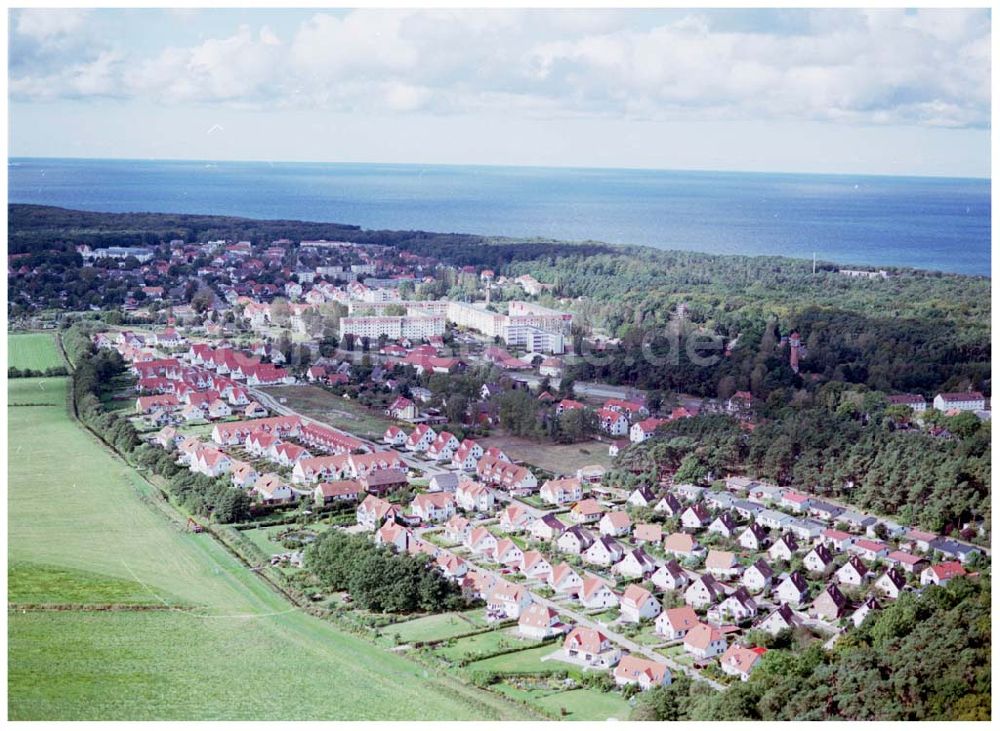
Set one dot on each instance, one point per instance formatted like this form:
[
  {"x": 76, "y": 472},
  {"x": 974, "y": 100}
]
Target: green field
[
  {"x": 437, "y": 626},
  {"x": 586, "y": 704},
  {"x": 259, "y": 537},
  {"x": 338, "y": 412},
  {"x": 35, "y": 351},
  {"x": 482, "y": 644},
  {"x": 226, "y": 646},
  {"x": 525, "y": 661},
  {"x": 29, "y": 583},
  {"x": 560, "y": 459}
]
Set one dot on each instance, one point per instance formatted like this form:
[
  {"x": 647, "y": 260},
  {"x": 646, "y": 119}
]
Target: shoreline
[{"x": 492, "y": 239}]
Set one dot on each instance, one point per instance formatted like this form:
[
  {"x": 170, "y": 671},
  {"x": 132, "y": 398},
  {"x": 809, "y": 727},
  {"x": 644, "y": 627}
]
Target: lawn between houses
[
  {"x": 83, "y": 530},
  {"x": 465, "y": 638},
  {"x": 32, "y": 351},
  {"x": 559, "y": 459},
  {"x": 338, "y": 412}
]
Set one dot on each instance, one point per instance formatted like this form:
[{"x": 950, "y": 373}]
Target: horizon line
[{"x": 987, "y": 178}]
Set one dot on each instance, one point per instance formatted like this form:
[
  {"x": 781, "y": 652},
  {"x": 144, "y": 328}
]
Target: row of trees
[
  {"x": 93, "y": 376},
  {"x": 379, "y": 579}
]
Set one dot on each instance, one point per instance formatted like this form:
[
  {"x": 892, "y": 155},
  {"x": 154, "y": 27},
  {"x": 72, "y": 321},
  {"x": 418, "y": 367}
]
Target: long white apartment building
[
  {"x": 414, "y": 308},
  {"x": 519, "y": 314},
  {"x": 536, "y": 328},
  {"x": 394, "y": 328}
]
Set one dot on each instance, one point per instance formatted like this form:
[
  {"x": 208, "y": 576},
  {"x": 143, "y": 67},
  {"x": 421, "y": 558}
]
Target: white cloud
[{"x": 927, "y": 67}]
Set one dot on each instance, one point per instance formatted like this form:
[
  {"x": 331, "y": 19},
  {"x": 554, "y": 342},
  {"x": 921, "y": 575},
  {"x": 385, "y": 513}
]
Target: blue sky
[{"x": 884, "y": 92}]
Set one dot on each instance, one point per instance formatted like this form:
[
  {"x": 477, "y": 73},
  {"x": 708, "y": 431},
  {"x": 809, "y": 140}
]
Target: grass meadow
[
  {"x": 83, "y": 528},
  {"x": 35, "y": 351}
]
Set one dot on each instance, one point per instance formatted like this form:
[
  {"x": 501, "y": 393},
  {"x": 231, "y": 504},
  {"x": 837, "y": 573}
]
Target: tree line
[
  {"x": 94, "y": 373},
  {"x": 378, "y": 578}
]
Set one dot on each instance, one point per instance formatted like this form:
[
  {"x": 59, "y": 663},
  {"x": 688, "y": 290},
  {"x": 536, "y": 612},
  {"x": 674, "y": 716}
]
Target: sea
[{"x": 938, "y": 224}]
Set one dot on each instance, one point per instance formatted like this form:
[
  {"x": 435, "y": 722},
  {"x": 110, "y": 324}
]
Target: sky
[{"x": 887, "y": 91}]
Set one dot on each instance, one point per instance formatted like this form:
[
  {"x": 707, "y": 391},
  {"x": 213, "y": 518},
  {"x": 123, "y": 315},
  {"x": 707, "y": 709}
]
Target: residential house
[
  {"x": 327, "y": 493},
  {"x": 474, "y": 498},
  {"x": 704, "y": 591},
  {"x": 675, "y": 623},
  {"x": 723, "y": 525},
  {"x": 737, "y": 607},
  {"x": 587, "y": 511},
  {"x": 838, "y": 540},
  {"x": 604, "y": 551},
  {"x": 467, "y": 456},
  {"x": 635, "y": 564},
  {"x": 508, "y": 553},
  {"x": 906, "y": 561},
  {"x": 612, "y": 422},
  {"x": 647, "y": 674},
  {"x": 507, "y": 601},
  {"x": 722, "y": 564},
  {"x": 565, "y": 490},
  {"x": 795, "y": 501},
  {"x": 615, "y": 524},
  {"x": 940, "y": 574},
  {"x": 392, "y": 534},
  {"x": 420, "y": 439},
  {"x": 638, "y": 604},
  {"x": 961, "y": 401},
  {"x": 758, "y": 577},
  {"x": 642, "y": 497},
  {"x": 695, "y": 517},
  {"x": 480, "y": 541},
  {"x": 668, "y": 505},
  {"x": 740, "y": 661},
  {"x": 443, "y": 447},
  {"x": 433, "y": 507},
  {"x": 784, "y": 548},
  {"x": 595, "y": 594},
  {"x": 818, "y": 560},
  {"x": 793, "y": 589},
  {"x": 564, "y": 580},
  {"x": 830, "y": 605},
  {"x": 647, "y": 533},
  {"x": 681, "y": 545},
  {"x": 403, "y": 409},
  {"x": 754, "y": 537},
  {"x": 670, "y": 577},
  {"x": 394, "y": 437},
  {"x": 539, "y": 622},
  {"x": 535, "y": 566},
  {"x": 853, "y": 573},
  {"x": 764, "y": 493},
  {"x": 575, "y": 540},
  {"x": 591, "y": 647},
  {"x": 645, "y": 429},
  {"x": 457, "y": 529},
  {"x": 869, "y": 605},
  {"x": 546, "y": 528},
  {"x": 782, "y": 618},
  {"x": 373, "y": 511},
  {"x": 443, "y": 482},
  {"x": 705, "y": 641},
  {"x": 514, "y": 519},
  {"x": 271, "y": 489},
  {"x": 868, "y": 549}
]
